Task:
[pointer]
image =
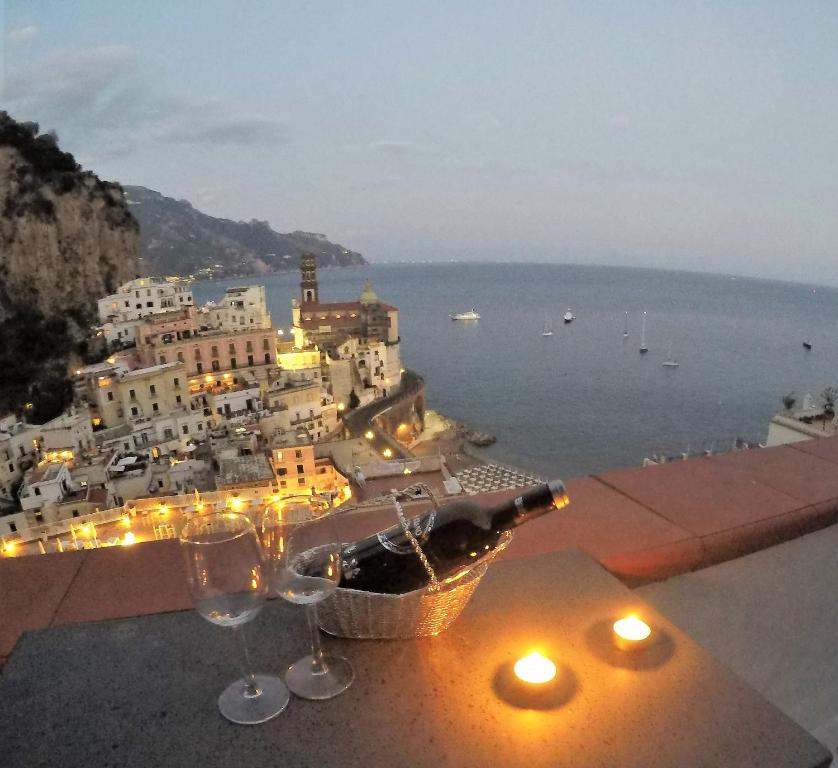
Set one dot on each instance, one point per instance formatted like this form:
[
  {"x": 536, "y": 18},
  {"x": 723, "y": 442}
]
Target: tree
[
  {"x": 829, "y": 395},
  {"x": 789, "y": 401}
]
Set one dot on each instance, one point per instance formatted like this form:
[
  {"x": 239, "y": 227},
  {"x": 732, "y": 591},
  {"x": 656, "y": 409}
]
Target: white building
[
  {"x": 72, "y": 430},
  {"x": 120, "y": 312},
  {"x": 240, "y": 308},
  {"x": 48, "y": 483},
  {"x": 17, "y": 452},
  {"x": 235, "y": 402}
]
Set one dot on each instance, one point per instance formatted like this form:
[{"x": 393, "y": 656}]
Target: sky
[{"x": 684, "y": 135}]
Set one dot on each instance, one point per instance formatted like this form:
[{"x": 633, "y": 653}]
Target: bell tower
[{"x": 308, "y": 282}]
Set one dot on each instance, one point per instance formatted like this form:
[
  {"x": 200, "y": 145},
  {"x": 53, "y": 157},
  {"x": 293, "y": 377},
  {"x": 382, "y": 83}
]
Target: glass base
[
  {"x": 334, "y": 677},
  {"x": 238, "y": 707}
]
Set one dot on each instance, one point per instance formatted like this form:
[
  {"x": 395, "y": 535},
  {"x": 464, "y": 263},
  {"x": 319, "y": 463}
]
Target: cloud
[
  {"x": 22, "y": 34},
  {"x": 108, "y": 103},
  {"x": 389, "y": 147},
  {"x": 214, "y": 127}
]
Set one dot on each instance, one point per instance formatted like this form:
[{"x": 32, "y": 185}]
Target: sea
[{"x": 584, "y": 399}]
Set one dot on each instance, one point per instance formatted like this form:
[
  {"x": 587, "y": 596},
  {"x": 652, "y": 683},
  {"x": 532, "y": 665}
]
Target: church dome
[{"x": 368, "y": 295}]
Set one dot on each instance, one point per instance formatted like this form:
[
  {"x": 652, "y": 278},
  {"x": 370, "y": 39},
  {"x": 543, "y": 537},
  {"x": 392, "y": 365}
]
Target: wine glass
[
  {"x": 301, "y": 541},
  {"x": 228, "y": 584}
]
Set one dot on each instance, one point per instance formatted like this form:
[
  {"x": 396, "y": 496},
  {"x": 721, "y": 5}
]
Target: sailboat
[
  {"x": 670, "y": 362},
  {"x": 643, "y": 348},
  {"x": 626, "y": 327},
  {"x": 548, "y": 328}
]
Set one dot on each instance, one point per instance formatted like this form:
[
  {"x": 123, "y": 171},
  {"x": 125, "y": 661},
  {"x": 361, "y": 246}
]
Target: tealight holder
[
  {"x": 631, "y": 634},
  {"x": 534, "y": 682}
]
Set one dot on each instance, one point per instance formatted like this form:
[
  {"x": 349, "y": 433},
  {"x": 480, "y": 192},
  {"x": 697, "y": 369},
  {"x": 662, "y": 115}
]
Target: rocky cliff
[
  {"x": 66, "y": 238},
  {"x": 178, "y": 239}
]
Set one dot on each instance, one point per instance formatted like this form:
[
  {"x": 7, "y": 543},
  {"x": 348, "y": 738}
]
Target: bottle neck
[{"x": 529, "y": 505}]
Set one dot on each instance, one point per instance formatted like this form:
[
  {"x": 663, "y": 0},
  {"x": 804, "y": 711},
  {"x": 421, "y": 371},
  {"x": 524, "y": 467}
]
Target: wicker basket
[{"x": 423, "y": 612}]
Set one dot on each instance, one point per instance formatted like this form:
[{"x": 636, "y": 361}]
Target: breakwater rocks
[{"x": 475, "y": 437}]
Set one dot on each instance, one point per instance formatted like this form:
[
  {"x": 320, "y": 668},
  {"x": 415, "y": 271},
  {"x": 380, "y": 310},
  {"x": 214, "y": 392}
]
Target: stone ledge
[{"x": 642, "y": 524}]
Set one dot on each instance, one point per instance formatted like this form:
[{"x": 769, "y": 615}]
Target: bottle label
[{"x": 419, "y": 531}]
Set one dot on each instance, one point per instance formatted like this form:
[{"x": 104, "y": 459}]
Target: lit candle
[
  {"x": 631, "y": 633},
  {"x": 535, "y": 669}
]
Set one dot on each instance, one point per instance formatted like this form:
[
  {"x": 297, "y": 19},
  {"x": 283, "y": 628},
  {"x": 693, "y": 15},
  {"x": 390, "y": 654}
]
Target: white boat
[
  {"x": 568, "y": 316},
  {"x": 548, "y": 328},
  {"x": 470, "y": 315},
  {"x": 626, "y": 327},
  {"x": 670, "y": 362},
  {"x": 643, "y": 348}
]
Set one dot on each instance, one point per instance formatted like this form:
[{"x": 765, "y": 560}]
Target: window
[
  {"x": 197, "y": 353},
  {"x": 162, "y": 359},
  {"x": 232, "y": 349},
  {"x": 12, "y": 527},
  {"x": 282, "y": 471},
  {"x": 298, "y": 454},
  {"x": 283, "y": 484},
  {"x": 250, "y": 359},
  {"x": 176, "y": 382},
  {"x": 232, "y": 362},
  {"x": 152, "y": 389},
  {"x": 11, "y": 467},
  {"x": 134, "y": 411},
  {"x": 185, "y": 429},
  {"x": 265, "y": 344},
  {"x": 200, "y": 427},
  {"x": 110, "y": 396},
  {"x": 199, "y": 367},
  {"x": 300, "y": 469},
  {"x": 155, "y": 407},
  {"x": 214, "y": 352},
  {"x": 149, "y": 303},
  {"x": 177, "y": 399},
  {"x": 132, "y": 395},
  {"x": 216, "y": 366},
  {"x": 267, "y": 358},
  {"x": 37, "y": 491},
  {"x": 39, "y": 518},
  {"x": 301, "y": 481},
  {"x": 167, "y": 434},
  {"x": 148, "y": 293},
  {"x": 180, "y": 357},
  {"x": 248, "y": 347}
]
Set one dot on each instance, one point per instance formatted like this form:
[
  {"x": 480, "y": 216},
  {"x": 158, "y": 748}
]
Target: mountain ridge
[{"x": 178, "y": 239}]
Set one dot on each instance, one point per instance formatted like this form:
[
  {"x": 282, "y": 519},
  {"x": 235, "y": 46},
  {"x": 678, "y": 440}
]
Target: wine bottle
[{"x": 451, "y": 537}]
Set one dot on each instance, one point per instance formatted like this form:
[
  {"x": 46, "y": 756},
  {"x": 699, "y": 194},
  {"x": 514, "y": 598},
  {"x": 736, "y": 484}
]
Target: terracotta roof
[{"x": 343, "y": 306}]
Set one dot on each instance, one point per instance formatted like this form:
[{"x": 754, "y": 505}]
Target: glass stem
[
  {"x": 317, "y": 664},
  {"x": 252, "y": 690}
]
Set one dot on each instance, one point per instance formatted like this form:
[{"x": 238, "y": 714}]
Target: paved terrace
[{"x": 642, "y": 524}]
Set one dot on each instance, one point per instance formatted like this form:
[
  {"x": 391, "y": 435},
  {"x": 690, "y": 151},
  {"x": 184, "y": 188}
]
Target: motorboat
[
  {"x": 548, "y": 328},
  {"x": 670, "y": 361},
  {"x": 470, "y": 315},
  {"x": 807, "y": 344},
  {"x": 568, "y": 317}
]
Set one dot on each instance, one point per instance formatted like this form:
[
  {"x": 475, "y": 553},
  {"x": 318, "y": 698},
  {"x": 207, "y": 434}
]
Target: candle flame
[{"x": 535, "y": 669}]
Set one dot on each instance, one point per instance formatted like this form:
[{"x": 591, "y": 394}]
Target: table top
[{"x": 143, "y": 692}]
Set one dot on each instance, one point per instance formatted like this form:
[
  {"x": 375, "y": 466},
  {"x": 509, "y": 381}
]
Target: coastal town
[{"x": 200, "y": 407}]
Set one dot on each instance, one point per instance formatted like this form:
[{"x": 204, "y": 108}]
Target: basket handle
[{"x": 433, "y": 585}]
